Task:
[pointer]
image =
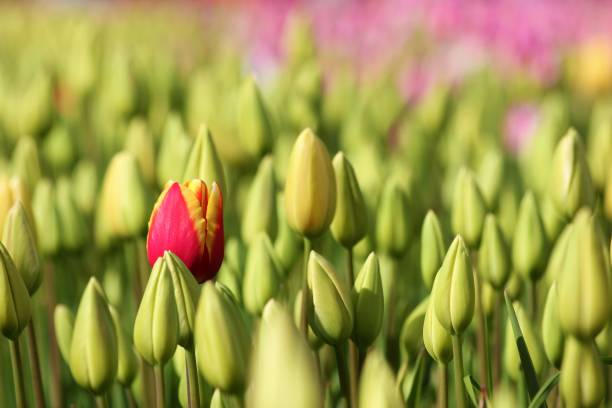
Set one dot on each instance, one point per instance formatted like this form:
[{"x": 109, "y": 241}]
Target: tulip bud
[
  {"x": 261, "y": 275},
  {"x": 529, "y": 244},
  {"x": 552, "y": 219},
  {"x": 377, "y": 386},
  {"x": 15, "y": 308},
  {"x": 6, "y": 198},
  {"x": 26, "y": 164},
  {"x": 85, "y": 186},
  {"x": 557, "y": 256},
  {"x": 393, "y": 221},
  {"x": 512, "y": 360},
  {"x": 260, "y": 213},
  {"x": 283, "y": 370},
  {"x": 93, "y": 350},
  {"x": 369, "y": 303},
  {"x": 607, "y": 197},
  {"x": 432, "y": 248},
  {"x": 174, "y": 148},
  {"x": 221, "y": 400},
  {"x": 71, "y": 222},
  {"x": 582, "y": 381},
  {"x": 351, "y": 219},
  {"x": 411, "y": 335},
  {"x": 570, "y": 183},
  {"x": 223, "y": 340},
  {"x": 436, "y": 338},
  {"x": 204, "y": 162},
  {"x": 508, "y": 210},
  {"x": 489, "y": 298},
  {"x": 185, "y": 294},
  {"x": 584, "y": 304},
  {"x": 552, "y": 335},
  {"x": 18, "y": 237},
  {"x": 127, "y": 367},
  {"x": 254, "y": 125},
  {"x": 314, "y": 341},
  {"x": 58, "y": 148},
  {"x": 63, "y": 320},
  {"x": 46, "y": 217},
  {"x": 599, "y": 144},
  {"x": 287, "y": 242},
  {"x": 331, "y": 307},
  {"x": 494, "y": 254},
  {"x": 156, "y": 327},
  {"x": 514, "y": 286},
  {"x": 310, "y": 189},
  {"x": 453, "y": 289},
  {"x": 491, "y": 176},
  {"x": 139, "y": 142},
  {"x": 468, "y": 209}
]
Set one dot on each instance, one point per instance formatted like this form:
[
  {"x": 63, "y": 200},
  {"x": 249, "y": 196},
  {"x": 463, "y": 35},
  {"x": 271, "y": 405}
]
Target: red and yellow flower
[{"x": 187, "y": 219}]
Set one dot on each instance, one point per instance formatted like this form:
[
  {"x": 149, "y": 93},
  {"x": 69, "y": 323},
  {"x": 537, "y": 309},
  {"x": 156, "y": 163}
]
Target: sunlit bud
[
  {"x": 128, "y": 363},
  {"x": 529, "y": 244},
  {"x": 261, "y": 275},
  {"x": 63, "y": 321},
  {"x": 139, "y": 142},
  {"x": 494, "y": 254},
  {"x": 46, "y": 217},
  {"x": 393, "y": 234},
  {"x": 411, "y": 335},
  {"x": 552, "y": 336},
  {"x": 582, "y": 380},
  {"x": 254, "y": 125},
  {"x": 468, "y": 209},
  {"x": 26, "y": 164},
  {"x": 512, "y": 360},
  {"x": 433, "y": 245},
  {"x": 436, "y": 338},
  {"x": 15, "y": 308},
  {"x": 369, "y": 303},
  {"x": 260, "y": 214},
  {"x": 377, "y": 386},
  {"x": 85, "y": 186},
  {"x": 204, "y": 162}
]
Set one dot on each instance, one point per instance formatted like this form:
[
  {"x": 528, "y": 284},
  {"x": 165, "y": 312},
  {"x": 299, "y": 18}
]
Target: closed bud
[
  {"x": 432, "y": 248},
  {"x": 552, "y": 336},
  {"x": 599, "y": 144},
  {"x": 314, "y": 341},
  {"x": 72, "y": 229},
  {"x": 514, "y": 286},
  {"x": 436, "y": 338},
  {"x": 393, "y": 220},
  {"x": 18, "y": 237},
  {"x": 185, "y": 294},
  {"x": 93, "y": 350},
  {"x": 85, "y": 186},
  {"x": 63, "y": 322},
  {"x": 557, "y": 255},
  {"x": 139, "y": 142},
  {"x": 204, "y": 162},
  {"x": 127, "y": 367},
  {"x": 494, "y": 254},
  {"x": 223, "y": 340},
  {"x": 46, "y": 217},
  {"x": 570, "y": 183},
  {"x": 261, "y": 275},
  {"x": 351, "y": 218},
  {"x": 260, "y": 213},
  {"x": 582, "y": 380},
  {"x": 15, "y": 308},
  {"x": 529, "y": 244},
  {"x": 331, "y": 307},
  {"x": 369, "y": 303},
  {"x": 254, "y": 125},
  {"x": 512, "y": 360},
  {"x": 468, "y": 209},
  {"x": 287, "y": 244},
  {"x": 491, "y": 176},
  {"x": 221, "y": 400},
  {"x": 411, "y": 335},
  {"x": 26, "y": 163},
  {"x": 156, "y": 326},
  {"x": 310, "y": 188},
  {"x": 377, "y": 386},
  {"x": 552, "y": 219},
  {"x": 453, "y": 289},
  {"x": 173, "y": 149},
  {"x": 490, "y": 298},
  {"x": 584, "y": 303},
  {"x": 58, "y": 148}
]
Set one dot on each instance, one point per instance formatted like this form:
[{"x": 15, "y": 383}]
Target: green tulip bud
[
  {"x": 139, "y": 142},
  {"x": 351, "y": 218},
  {"x": 123, "y": 208},
  {"x": 310, "y": 189},
  {"x": 260, "y": 214},
  {"x": 15, "y": 308},
  {"x": 512, "y": 360},
  {"x": 72, "y": 229},
  {"x": 204, "y": 162},
  {"x": 298, "y": 40},
  {"x": 185, "y": 294},
  {"x": 607, "y": 197},
  {"x": 85, "y": 186},
  {"x": 93, "y": 349},
  {"x": 494, "y": 254},
  {"x": 552, "y": 336},
  {"x": 570, "y": 184},
  {"x": 411, "y": 335},
  {"x": 599, "y": 146},
  {"x": 582, "y": 381},
  {"x": 377, "y": 386},
  {"x": 221, "y": 400},
  {"x": 453, "y": 289},
  {"x": 468, "y": 209},
  {"x": 393, "y": 220},
  {"x": 261, "y": 275},
  {"x": 584, "y": 304},
  {"x": 508, "y": 210},
  {"x": 127, "y": 367},
  {"x": 436, "y": 338},
  {"x": 287, "y": 242},
  {"x": 63, "y": 321},
  {"x": 369, "y": 303},
  {"x": 173, "y": 149},
  {"x": 223, "y": 340},
  {"x": 314, "y": 341},
  {"x": 46, "y": 217},
  {"x": 254, "y": 124},
  {"x": 514, "y": 286},
  {"x": 18, "y": 236},
  {"x": 603, "y": 341},
  {"x": 432, "y": 248},
  {"x": 331, "y": 307},
  {"x": 557, "y": 255},
  {"x": 489, "y": 298},
  {"x": 58, "y": 148},
  {"x": 26, "y": 163},
  {"x": 156, "y": 327},
  {"x": 491, "y": 176},
  {"x": 283, "y": 370},
  {"x": 552, "y": 219},
  {"x": 505, "y": 396},
  {"x": 529, "y": 244}
]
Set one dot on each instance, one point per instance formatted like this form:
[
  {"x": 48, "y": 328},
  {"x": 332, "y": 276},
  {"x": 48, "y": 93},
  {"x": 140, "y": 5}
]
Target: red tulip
[{"x": 187, "y": 219}]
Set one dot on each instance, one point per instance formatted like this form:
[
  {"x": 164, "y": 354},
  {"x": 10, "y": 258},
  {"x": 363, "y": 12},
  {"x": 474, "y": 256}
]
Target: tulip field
[{"x": 298, "y": 204}]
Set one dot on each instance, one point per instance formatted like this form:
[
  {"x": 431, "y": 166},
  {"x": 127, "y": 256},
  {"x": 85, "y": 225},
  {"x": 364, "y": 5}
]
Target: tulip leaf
[
  {"x": 606, "y": 360},
  {"x": 526, "y": 363},
  {"x": 471, "y": 386},
  {"x": 416, "y": 380},
  {"x": 540, "y": 399}
]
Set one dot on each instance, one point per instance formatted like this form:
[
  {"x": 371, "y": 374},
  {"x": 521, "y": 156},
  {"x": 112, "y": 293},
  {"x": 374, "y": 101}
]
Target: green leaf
[
  {"x": 540, "y": 399},
  {"x": 472, "y": 386},
  {"x": 526, "y": 363},
  {"x": 415, "y": 381}
]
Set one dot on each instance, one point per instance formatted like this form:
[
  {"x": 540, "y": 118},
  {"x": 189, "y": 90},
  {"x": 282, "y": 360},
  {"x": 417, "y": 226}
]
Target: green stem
[
  {"x": 160, "y": 399},
  {"x": 534, "y": 300},
  {"x": 101, "y": 401},
  {"x": 344, "y": 376},
  {"x": 193, "y": 388},
  {"x": 482, "y": 339},
  {"x": 353, "y": 351},
  {"x": 20, "y": 399},
  {"x": 304, "y": 315},
  {"x": 497, "y": 342},
  {"x": 54, "y": 355},
  {"x": 458, "y": 371},
  {"x": 442, "y": 385},
  {"x": 39, "y": 396},
  {"x": 129, "y": 397},
  {"x": 390, "y": 340}
]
